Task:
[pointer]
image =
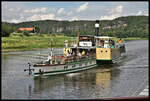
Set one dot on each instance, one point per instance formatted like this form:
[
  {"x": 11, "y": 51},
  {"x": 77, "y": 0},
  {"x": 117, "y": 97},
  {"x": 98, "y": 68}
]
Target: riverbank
[
  {"x": 134, "y": 38},
  {"x": 37, "y": 42},
  {"x": 34, "y": 42}
]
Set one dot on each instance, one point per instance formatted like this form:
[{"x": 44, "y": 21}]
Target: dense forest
[{"x": 129, "y": 26}]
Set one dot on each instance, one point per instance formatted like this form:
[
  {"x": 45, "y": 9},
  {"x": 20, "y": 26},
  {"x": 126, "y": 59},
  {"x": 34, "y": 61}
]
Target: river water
[{"x": 128, "y": 77}]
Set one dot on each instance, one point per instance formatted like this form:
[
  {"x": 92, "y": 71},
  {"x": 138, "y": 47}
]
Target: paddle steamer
[{"x": 88, "y": 52}]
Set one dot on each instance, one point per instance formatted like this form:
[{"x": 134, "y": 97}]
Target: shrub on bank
[
  {"x": 6, "y": 30},
  {"x": 26, "y": 33}
]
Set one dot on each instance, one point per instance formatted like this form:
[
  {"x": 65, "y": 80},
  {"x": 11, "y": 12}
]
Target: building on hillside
[{"x": 27, "y": 29}]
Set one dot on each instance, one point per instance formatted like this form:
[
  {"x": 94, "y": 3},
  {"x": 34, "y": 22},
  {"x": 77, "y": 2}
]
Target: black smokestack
[{"x": 97, "y": 27}]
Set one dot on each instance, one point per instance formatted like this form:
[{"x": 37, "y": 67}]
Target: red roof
[{"x": 28, "y": 29}]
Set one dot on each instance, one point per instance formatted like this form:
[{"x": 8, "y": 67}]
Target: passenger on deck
[
  {"x": 99, "y": 44},
  {"x": 111, "y": 43},
  {"x": 119, "y": 41},
  {"x": 74, "y": 56},
  {"x": 80, "y": 55},
  {"x": 49, "y": 58},
  {"x": 68, "y": 53},
  {"x": 67, "y": 56},
  {"x": 83, "y": 53},
  {"x": 106, "y": 44}
]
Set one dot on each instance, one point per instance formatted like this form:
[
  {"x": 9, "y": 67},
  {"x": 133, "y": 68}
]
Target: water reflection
[
  {"x": 30, "y": 91},
  {"x": 103, "y": 78},
  {"x": 91, "y": 83}
]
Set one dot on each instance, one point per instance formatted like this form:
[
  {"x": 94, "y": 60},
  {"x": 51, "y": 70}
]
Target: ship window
[
  {"x": 101, "y": 51},
  {"x": 106, "y": 51}
]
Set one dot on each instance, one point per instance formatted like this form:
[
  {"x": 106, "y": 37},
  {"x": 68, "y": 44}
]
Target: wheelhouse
[
  {"x": 105, "y": 42},
  {"x": 86, "y": 41}
]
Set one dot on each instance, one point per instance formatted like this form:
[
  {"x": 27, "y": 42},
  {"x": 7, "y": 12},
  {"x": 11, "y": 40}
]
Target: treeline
[
  {"x": 6, "y": 30},
  {"x": 129, "y": 26}
]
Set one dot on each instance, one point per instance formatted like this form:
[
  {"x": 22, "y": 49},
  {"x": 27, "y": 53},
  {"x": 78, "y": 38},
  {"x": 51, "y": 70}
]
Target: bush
[
  {"x": 6, "y": 30},
  {"x": 26, "y": 33},
  {"x": 21, "y": 35},
  {"x": 53, "y": 34},
  {"x": 37, "y": 29},
  {"x": 42, "y": 35}
]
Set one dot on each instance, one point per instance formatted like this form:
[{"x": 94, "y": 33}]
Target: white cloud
[
  {"x": 26, "y": 11},
  {"x": 74, "y": 18},
  {"x": 117, "y": 9},
  {"x": 83, "y": 7},
  {"x": 21, "y": 17},
  {"x": 48, "y": 16},
  {"x": 43, "y": 10},
  {"x": 139, "y": 13},
  {"x": 109, "y": 17},
  {"x": 14, "y": 9},
  {"x": 146, "y": 14},
  {"x": 61, "y": 10},
  {"x": 69, "y": 13},
  {"x": 34, "y": 18},
  {"x": 58, "y": 19},
  {"x": 113, "y": 13},
  {"x": 15, "y": 21},
  {"x": 41, "y": 17},
  {"x": 10, "y": 9},
  {"x": 15, "y": 12}
]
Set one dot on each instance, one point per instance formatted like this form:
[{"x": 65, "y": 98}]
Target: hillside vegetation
[{"x": 129, "y": 26}]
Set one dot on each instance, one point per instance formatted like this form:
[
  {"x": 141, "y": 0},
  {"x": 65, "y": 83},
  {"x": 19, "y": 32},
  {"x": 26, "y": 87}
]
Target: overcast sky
[{"x": 16, "y": 12}]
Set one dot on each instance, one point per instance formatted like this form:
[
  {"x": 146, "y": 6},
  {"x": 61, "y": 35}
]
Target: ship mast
[
  {"x": 78, "y": 37},
  {"x": 78, "y": 40},
  {"x": 51, "y": 43}
]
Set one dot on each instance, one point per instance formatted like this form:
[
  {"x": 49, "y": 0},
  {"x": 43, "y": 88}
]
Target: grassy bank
[
  {"x": 134, "y": 38},
  {"x": 34, "y": 42}
]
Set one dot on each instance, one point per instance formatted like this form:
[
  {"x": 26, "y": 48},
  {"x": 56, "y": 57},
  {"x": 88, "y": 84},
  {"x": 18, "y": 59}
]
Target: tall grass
[{"x": 33, "y": 42}]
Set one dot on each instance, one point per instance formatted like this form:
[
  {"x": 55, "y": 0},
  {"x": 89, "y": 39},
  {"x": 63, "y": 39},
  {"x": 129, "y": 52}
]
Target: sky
[{"x": 16, "y": 12}]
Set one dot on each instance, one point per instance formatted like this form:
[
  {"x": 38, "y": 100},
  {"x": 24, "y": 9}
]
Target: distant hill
[{"x": 129, "y": 26}]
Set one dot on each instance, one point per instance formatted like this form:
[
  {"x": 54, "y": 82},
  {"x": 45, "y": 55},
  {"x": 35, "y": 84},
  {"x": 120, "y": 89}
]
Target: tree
[
  {"x": 6, "y": 30},
  {"x": 37, "y": 29}
]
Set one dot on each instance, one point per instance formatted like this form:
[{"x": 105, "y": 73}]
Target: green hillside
[{"x": 129, "y": 26}]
